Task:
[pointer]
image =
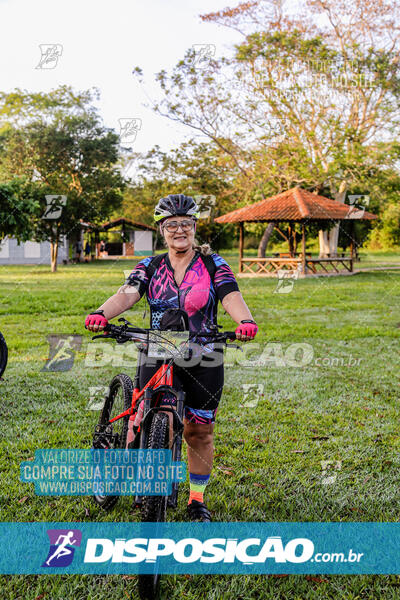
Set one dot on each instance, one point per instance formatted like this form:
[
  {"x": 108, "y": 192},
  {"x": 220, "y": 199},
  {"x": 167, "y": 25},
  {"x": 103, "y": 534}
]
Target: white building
[{"x": 29, "y": 253}]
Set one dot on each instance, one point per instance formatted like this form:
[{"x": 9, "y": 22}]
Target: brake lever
[
  {"x": 125, "y": 321},
  {"x": 101, "y": 336}
]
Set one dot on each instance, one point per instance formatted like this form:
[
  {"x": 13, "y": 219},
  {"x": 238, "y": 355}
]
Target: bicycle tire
[
  {"x": 3, "y": 354},
  {"x": 112, "y": 408},
  {"x": 154, "y": 508}
]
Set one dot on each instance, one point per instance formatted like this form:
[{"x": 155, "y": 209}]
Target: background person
[
  {"x": 102, "y": 248},
  {"x": 87, "y": 252},
  {"x": 78, "y": 251}
]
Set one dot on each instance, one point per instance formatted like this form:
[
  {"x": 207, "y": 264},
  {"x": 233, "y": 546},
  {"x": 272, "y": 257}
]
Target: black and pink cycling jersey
[{"x": 197, "y": 294}]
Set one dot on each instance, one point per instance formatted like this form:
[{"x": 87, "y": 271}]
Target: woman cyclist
[{"x": 182, "y": 280}]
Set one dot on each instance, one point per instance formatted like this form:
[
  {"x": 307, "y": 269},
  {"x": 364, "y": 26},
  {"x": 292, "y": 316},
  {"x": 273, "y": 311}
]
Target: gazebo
[
  {"x": 136, "y": 239},
  {"x": 296, "y": 206}
]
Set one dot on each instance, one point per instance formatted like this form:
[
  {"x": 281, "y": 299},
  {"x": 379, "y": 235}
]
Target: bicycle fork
[{"x": 148, "y": 412}]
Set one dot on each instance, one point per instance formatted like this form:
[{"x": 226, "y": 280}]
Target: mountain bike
[
  {"x": 3, "y": 354},
  {"x": 134, "y": 418}
]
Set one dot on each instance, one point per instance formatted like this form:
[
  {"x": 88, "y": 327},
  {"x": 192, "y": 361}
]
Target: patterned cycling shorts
[{"x": 202, "y": 385}]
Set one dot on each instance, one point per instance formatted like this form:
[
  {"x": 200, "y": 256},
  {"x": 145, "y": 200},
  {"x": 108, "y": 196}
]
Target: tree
[
  {"x": 67, "y": 154},
  {"x": 194, "y": 169},
  {"x": 17, "y": 210},
  {"x": 305, "y": 99}
]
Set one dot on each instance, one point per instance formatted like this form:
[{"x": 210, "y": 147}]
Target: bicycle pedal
[{"x": 103, "y": 438}]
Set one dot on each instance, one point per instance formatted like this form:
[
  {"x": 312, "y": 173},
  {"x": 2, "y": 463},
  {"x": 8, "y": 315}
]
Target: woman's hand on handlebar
[
  {"x": 246, "y": 330},
  {"x": 96, "y": 321}
]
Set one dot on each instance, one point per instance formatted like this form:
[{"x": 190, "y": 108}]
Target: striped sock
[{"x": 198, "y": 484}]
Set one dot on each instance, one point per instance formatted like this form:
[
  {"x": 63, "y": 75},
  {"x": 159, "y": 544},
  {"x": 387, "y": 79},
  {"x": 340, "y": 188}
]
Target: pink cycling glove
[
  {"x": 246, "y": 329},
  {"x": 95, "y": 319}
]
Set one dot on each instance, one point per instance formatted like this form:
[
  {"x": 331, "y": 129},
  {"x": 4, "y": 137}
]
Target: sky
[{"x": 100, "y": 42}]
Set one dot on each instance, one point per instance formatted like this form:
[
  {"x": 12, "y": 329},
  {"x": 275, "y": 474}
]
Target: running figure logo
[
  {"x": 62, "y": 546},
  {"x": 62, "y": 352},
  {"x": 129, "y": 129},
  {"x": 203, "y": 54},
  {"x": 286, "y": 279},
  {"x": 54, "y": 206},
  {"x": 50, "y": 53}
]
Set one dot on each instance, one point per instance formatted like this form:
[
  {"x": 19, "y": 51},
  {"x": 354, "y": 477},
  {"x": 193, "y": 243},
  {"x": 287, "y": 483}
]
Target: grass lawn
[{"x": 321, "y": 444}]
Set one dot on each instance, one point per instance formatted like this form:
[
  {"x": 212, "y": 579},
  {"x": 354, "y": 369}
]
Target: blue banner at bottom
[{"x": 236, "y": 548}]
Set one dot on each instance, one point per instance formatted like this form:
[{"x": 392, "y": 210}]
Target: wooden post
[
  {"x": 352, "y": 243},
  {"x": 96, "y": 242},
  {"x": 241, "y": 238},
  {"x": 303, "y": 248},
  {"x": 292, "y": 240}
]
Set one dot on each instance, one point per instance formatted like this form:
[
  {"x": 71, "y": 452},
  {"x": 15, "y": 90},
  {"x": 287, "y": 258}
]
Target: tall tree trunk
[
  {"x": 323, "y": 243},
  {"x": 328, "y": 240},
  {"x": 54, "y": 254},
  {"x": 262, "y": 247},
  {"x": 333, "y": 240}
]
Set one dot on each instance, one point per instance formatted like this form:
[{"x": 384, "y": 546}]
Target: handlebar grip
[{"x": 231, "y": 335}]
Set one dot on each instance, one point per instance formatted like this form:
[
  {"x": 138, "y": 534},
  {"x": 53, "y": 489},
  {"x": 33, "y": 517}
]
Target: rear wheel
[
  {"x": 118, "y": 400},
  {"x": 3, "y": 354},
  {"x": 154, "y": 508}
]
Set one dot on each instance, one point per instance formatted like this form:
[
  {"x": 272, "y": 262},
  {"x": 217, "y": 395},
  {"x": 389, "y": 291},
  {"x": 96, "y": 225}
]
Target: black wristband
[
  {"x": 98, "y": 312},
  {"x": 249, "y": 321}
]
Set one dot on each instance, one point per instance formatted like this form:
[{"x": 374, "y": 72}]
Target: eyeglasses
[{"x": 173, "y": 226}]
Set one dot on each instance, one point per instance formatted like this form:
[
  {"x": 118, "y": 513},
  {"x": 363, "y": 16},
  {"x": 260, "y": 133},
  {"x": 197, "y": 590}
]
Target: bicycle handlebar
[{"x": 127, "y": 332}]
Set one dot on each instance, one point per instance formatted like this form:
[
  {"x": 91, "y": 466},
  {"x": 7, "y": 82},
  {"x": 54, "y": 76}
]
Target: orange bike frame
[{"x": 163, "y": 376}]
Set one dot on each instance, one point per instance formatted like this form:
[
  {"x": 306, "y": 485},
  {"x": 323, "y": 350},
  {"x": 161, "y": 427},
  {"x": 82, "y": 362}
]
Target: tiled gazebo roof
[{"x": 295, "y": 204}]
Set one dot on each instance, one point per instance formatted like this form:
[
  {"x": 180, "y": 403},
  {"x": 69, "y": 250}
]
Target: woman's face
[{"x": 178, "y": 238}]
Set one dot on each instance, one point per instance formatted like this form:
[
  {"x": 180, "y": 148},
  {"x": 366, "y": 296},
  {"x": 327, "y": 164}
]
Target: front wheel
[
  {"x": 154, "y": 508},
  {"x": 3, "y": 354},
  {"x": 118, "y": 400}
]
